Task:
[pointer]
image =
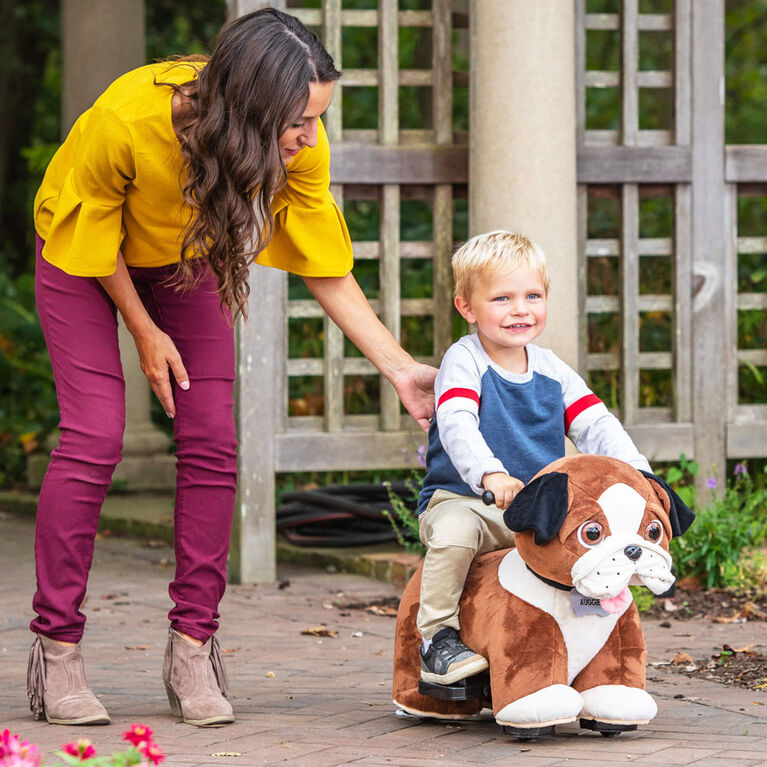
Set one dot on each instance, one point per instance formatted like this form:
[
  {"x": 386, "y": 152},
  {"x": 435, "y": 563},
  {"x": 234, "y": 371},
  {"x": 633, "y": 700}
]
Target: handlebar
[{"x": 488, "y": 498}]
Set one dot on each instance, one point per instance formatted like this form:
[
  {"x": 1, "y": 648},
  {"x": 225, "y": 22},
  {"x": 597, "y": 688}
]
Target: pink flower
[
  {"x": 82, "y": 749},
  {"x": 138, "y": 734},
  {"x": 711, "y": 483},
  {"x": 153, "y": 753},
  {"x": 421, "y": 453},
  {"x": 15, "y": 753}
]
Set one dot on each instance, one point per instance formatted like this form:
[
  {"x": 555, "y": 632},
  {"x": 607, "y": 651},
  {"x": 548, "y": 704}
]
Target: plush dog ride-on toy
[{"x": 554, "y": 616}]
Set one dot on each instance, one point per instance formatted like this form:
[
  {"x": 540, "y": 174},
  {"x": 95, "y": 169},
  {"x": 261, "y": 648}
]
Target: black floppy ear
[
  {"x": 541, "y": 506},
  {"x": 680, "y": 515}
]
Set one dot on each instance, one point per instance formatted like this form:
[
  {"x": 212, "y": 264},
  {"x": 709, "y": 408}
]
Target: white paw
[
  {"x": 555, "y": 704},
  {"x": 618, "y": 704}
]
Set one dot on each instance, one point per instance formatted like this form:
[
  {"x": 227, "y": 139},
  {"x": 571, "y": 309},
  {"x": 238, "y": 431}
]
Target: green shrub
[
  {"x": 723, "y": 531},
  {"x": 643, "y": 598},
  {"x": 28, "y": 407},
  {"x": 404, "y": 516}
]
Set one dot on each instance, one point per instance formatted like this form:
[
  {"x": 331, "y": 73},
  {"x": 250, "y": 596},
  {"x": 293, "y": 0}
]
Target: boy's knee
[{"x": 455, "y": 525}]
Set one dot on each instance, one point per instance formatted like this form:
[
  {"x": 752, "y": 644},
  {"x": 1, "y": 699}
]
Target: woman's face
[{"x": 304, "y": 132}]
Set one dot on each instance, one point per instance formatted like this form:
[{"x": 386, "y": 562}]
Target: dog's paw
[
  {"x": 555, "y": 704},
  {"x": 618, "y": 704}
]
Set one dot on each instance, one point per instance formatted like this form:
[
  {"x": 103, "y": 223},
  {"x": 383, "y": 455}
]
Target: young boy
[{"x": 503, "y": 409}]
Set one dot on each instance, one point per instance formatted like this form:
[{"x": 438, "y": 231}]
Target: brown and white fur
[{"x": 547, "y": 664}]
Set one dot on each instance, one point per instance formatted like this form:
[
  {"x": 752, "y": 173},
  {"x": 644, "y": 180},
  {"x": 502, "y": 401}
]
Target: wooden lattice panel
[
  {"x": 748, "y": 378},
  {"x": 635, "y": 237},
  {"x": 386, "y": 167},
  {"x": 644, "y": 69}
]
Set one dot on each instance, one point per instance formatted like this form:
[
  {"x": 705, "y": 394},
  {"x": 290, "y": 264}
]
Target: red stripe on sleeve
[
  {"x": 452, "y": 393},
  {"x": 578, "y": 407}
]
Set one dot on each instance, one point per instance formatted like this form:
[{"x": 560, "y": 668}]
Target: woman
[{"x": 179, "y": 176}]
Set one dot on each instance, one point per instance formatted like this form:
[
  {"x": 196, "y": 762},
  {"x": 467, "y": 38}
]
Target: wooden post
[
  {"x": 712, "y": 309},
  {"x": 388, "y": 135},
  {"x": 522, "y": 173},
  {"x": 260, "y": 396}
]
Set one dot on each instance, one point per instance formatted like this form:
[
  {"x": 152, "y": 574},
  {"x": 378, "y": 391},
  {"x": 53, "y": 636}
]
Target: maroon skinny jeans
[{"x": 79, "y": 321}]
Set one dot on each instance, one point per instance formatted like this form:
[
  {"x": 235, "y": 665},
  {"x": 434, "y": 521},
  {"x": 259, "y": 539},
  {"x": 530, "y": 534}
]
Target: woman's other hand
[{"x": 415, "y": 388}]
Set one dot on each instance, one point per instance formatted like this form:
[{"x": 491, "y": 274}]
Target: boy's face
[{"x": 509, "y": 309}]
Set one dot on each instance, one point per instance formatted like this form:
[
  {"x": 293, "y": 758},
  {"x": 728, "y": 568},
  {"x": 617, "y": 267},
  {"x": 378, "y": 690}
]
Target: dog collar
[{"x": 548, "y": 581}]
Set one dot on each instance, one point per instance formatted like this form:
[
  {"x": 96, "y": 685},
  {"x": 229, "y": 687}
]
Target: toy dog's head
[{"x": 598, "y": 524}]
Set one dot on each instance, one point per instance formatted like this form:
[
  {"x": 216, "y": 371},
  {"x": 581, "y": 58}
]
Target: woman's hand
[
  {"x": 157, "y": 353},
  {"x": 415, "y": 388}
]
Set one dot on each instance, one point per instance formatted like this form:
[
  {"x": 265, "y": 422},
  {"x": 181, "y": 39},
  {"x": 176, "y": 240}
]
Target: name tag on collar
[{"x": 583, "y": 605}]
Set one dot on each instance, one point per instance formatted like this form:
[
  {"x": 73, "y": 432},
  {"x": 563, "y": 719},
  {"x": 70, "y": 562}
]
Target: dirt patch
[
  {"x": 716, "y": 605},
  {"x": 739, "y": 666}
]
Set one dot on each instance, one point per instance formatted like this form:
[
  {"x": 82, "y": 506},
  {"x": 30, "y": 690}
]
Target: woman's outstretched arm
[{"x": 346, "y": 305}]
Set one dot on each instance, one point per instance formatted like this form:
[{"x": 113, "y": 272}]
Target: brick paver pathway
[{"x": 324, "y": 701}]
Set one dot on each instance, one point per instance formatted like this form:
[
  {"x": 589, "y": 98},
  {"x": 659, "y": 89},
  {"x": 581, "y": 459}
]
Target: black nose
[{"x": 633, "y": 552}]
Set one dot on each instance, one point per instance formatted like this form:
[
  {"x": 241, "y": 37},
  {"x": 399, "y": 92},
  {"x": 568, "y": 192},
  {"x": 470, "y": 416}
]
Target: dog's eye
[
  {"x": 653, "y": 532},
  {"x": 591, "y": 533}
]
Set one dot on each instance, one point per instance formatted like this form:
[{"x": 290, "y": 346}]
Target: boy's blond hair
[{"x": 493, "y": 251}]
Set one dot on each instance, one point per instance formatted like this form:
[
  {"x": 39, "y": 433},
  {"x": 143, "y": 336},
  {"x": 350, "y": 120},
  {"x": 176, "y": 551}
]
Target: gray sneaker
[{"x": 449, "y": 660}]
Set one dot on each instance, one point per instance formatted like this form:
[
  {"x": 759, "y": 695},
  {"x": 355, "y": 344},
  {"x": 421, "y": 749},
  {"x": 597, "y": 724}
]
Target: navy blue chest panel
[{"x": 522, "y": 424}]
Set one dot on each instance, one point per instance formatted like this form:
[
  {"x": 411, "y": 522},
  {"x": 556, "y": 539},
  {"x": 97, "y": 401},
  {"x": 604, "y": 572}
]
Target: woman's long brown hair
[{"x": 254, "y": 86}]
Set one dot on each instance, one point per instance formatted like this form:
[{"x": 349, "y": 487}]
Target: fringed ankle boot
[
  {"x": 56, "y": 684},
  {"x": 196, "y": 682}
]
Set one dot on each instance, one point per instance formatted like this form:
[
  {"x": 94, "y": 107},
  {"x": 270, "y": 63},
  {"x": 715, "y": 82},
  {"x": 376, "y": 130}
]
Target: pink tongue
[{"x": 618, "y": 603}]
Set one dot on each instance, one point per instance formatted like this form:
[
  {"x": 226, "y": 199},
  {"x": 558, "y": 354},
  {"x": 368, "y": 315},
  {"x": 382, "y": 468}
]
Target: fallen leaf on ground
[
  {"x": 320, "y": 631},
  {"x": 682, "y": 658},
  {"x": 137, "y": 647},
  {"x": 381, "y": 610},
  {"x": 227, "y": 753},
  {"x": 270, "y": 674},
  {"x": 669, "y": 606},
  {"x": 750, "y": 610},
  {"x": 737, "y": 618},
  {"x": 230, "y": 649}
]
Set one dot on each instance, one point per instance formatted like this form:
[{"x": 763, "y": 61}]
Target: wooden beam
[
  {"x": 354, "y": 163},
  {"x": 366, "y": 164},
  {"x": 641, "y": 165},
  {"x": 746, "y": 164}
]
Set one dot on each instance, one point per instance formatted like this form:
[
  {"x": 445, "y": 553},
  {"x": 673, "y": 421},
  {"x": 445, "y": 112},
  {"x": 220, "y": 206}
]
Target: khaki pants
[{"x": 455, "y": 529}]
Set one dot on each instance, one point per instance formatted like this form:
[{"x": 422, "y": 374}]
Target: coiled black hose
[{"x": 340, "y": 515}]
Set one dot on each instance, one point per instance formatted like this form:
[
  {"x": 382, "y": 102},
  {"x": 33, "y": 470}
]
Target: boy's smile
[{"x": 509, "y": 309}]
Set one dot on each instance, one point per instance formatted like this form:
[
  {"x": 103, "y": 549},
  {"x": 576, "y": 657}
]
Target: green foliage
[
  {"x": 681, "y": 478},
  {"x": 404, "y": 516},
  {"x": 643, "y": 598},
  {"x": 28, "y": 408},
  {"x": 713, "y": 548},
  {"x": 119, "y": 759}
]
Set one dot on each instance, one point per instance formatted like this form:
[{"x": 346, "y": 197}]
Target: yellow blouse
[{"x": 115, "y": 183}]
